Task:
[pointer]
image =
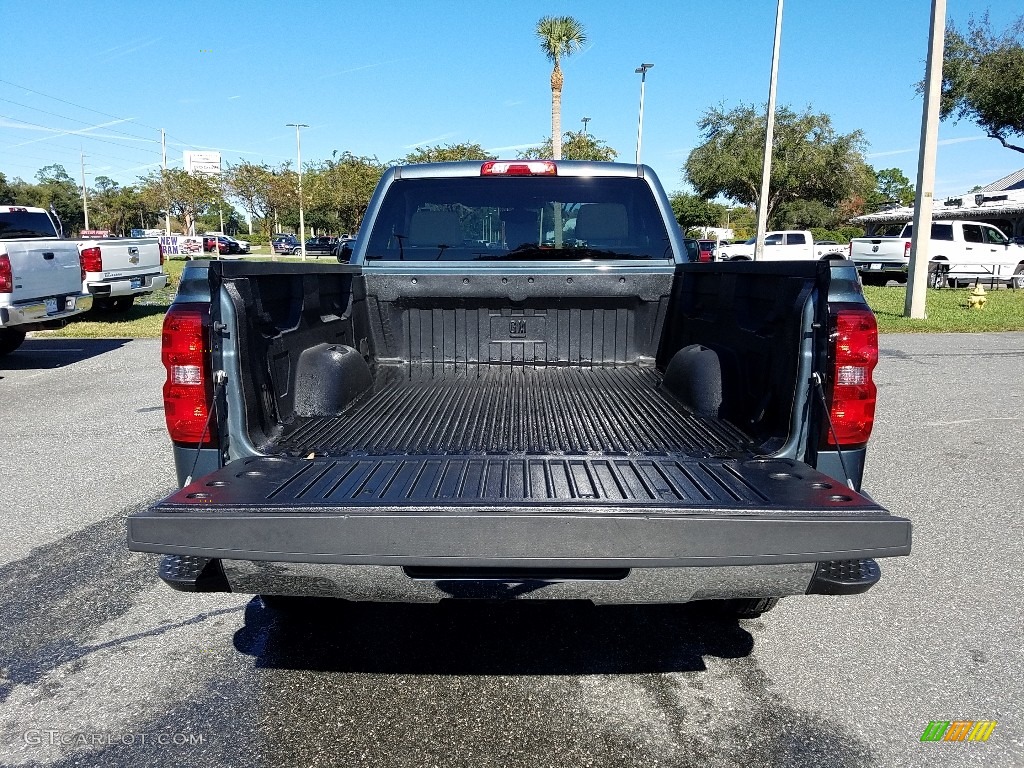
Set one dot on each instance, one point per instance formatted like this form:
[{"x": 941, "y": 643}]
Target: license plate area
[
  {"x": 136, "y": 282},
  {"x": 52, "y": 306},
  {"x": 875, "y": 266}
]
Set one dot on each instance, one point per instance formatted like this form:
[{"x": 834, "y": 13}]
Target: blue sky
[{"x": 383, "y": 78}]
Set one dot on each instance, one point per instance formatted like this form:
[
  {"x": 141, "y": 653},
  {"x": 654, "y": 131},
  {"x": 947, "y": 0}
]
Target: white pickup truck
[
  {"x": 782, "y": 245},
  {"x": 959, "y": 251},
  {"x": 40, "y": 276},
  {"x": 119, "y": 269}
]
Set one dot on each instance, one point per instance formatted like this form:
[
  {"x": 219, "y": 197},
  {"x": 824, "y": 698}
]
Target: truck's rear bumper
[
  {"x": 576, "y": 512},
  {"x": 127, "y": 286},
  {"x": 39, "y": 313},
  {"x": 391, "y": 583},
  {"x": 882, "y": 266}
]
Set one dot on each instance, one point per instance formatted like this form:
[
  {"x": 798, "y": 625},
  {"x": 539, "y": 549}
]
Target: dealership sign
[{"x": 202, "y": 162}]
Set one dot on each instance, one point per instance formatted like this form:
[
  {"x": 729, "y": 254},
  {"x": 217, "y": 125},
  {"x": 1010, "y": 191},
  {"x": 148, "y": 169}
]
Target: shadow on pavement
[
  {"x": 490, "y": 638},
  {"x": 57, "y": 353}
]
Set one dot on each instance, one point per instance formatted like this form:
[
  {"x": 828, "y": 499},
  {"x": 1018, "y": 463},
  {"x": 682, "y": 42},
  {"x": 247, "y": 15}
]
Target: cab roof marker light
[{"x": 519, "y": 168}]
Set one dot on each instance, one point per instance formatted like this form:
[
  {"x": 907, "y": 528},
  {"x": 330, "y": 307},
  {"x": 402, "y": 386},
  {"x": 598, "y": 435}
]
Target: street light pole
[
  {"x": 917, "y": 276},
  {"x": 769, "y": 138},
  {"x": 642, "y": 71},
  {"x": 585, "y": 120},
  {"x": 302, "y": 216},
  {"x": 85, "y": 194}
]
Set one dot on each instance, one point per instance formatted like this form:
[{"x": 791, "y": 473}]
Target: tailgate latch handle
[{"x": 48, "y": 255}]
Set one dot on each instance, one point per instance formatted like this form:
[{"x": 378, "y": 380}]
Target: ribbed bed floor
[{"x": 505, "y": 409}]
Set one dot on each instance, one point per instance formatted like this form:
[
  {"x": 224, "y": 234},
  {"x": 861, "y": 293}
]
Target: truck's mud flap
[{"x": 536, "y": 511}]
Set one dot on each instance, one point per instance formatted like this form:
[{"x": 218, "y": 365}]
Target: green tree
[
  {"x": 694, "y": 211},
  {"x": 447, "y": 153},
  {"x": 118, "y": 208},
  {"x": 576, "y": 145},
  {"x": 253, "y": 186},
  {"x": 983, "y": 78},
  {"x": 340, "y": 191},
  {"x": 811, "y": 161},
  {"x": 803, "y": 214},
  {"x": 6, "y": 191},
  {"x": 559, "y": 36},
  {"x": 891, "y": 186},
  {"x": 185, "y": 195},
  {"x": 56, "y": 189}
]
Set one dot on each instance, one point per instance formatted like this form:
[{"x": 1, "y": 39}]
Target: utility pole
[
  {"x": 642, "y": 71},
  {"x": 163, "y": 147},
  {"x": 585, "y": 120},
  {"x": 302, "y": 218},
  {"x": 917, "y": 276},
  {"x": 220, "y": 186},
  {"x": 85, "y": 196},
  {"x": 769, "y": 138}
]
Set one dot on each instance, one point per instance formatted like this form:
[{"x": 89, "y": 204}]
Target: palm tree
[{"x": 559, "y": 36}]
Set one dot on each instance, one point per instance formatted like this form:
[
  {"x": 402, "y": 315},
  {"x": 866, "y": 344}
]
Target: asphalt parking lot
[{"x": 100, "y": 664}]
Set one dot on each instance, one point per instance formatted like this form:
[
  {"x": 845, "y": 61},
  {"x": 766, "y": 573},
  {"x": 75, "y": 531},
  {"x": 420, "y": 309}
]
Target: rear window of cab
[{"x": 560, "y": 218}]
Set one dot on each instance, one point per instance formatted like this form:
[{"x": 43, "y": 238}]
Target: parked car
[
  {"x": 118, "y": 270},
  {"x": 339, "y": 252},
  {"x": 287, "y": 244},
  {"x": 783, "y": 245},
  {"x": 707, "y": 250},
  {"x": 224, "y": 246},
  {"x": 320, "y": 245},
  {"x": 959, "y": 252},
  {"x": 41, "y": 275},
  {"x": 243, "y": 245}
]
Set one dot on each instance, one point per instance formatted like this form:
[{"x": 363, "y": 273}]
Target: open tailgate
[{"x": 571, "y": 511}]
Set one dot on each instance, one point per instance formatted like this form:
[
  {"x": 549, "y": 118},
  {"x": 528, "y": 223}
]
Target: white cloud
[
  {"x": 54, "y": 133},
  {"x": 942, "y": 143}
]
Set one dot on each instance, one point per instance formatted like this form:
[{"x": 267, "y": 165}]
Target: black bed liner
[{"x": 515, "y": 409}]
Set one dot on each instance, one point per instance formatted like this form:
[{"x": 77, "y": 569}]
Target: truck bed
[{"x": 514, "y": 410}]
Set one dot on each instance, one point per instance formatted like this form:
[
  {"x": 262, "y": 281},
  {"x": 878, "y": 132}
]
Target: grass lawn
[{"x": 947, "y": 312}]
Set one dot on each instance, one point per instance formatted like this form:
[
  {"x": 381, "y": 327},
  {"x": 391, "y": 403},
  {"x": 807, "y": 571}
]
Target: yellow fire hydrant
[{"x": 977, "y": 298}]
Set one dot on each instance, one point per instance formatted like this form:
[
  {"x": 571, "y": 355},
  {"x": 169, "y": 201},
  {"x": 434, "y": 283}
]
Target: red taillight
[
  {"x": 92, "y": 259},
  {"x": 161, "y": 247},
  {"x": 188, "y": 391},
  {"x": 6, "y": 275},
  {"x": 519, "y": 168},
  {"x": 906, "y": 250},
  {"x": 854, "y": 336},
  {"x": 849, "y": 251}
]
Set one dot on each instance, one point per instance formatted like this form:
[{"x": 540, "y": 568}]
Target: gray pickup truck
[{"x": 520, "y": 385}]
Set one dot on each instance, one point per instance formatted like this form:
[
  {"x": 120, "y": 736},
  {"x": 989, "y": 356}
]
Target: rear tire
[
  {"x": 1017, "y": 281},
  {"x": 10, "y": 340}
]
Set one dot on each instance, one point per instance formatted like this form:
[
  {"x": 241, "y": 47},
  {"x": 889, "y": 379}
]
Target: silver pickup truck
[
  {"x": 40, "y": 276},
  {"x": 117, "y": 270}
]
